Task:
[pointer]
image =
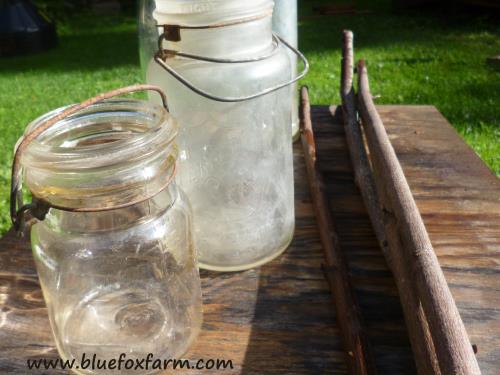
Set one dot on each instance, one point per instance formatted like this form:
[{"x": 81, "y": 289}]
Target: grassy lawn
[{"x": 412, "y": 58}]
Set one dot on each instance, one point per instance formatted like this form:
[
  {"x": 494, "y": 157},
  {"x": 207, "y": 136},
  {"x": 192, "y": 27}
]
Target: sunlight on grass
[
  {"x": 93, "y": 56},
  {"x": 412, "y": 60},
  {"x": 416, "y": 60}
]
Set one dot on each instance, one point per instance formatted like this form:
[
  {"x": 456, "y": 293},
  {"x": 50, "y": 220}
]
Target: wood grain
[
  {"x": 459, "y": 200},
  {"x": 279, "y": 319},
  {"x": 359, "y": 356}
]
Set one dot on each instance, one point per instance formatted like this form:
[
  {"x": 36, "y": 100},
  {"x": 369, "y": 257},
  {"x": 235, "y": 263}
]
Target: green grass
[
  {"x": 94, "y": 55},
  {"x": 415, "y": 59}
]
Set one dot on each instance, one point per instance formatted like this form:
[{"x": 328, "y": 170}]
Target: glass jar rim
[
  {"x": 40, "y": 154},
  {"x": 106, "y": 155}
]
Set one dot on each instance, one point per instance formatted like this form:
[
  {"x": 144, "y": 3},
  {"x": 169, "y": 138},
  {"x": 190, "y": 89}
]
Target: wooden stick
[
  {"x": 453, "y": 349},
  {"x": 359, "y": 356},
  {"x": 359, "y": 159},
  {"x": 383, "y": 225}
]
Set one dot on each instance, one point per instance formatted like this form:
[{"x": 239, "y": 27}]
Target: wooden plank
[
  {"x": 459, "y": 198},
  {"x": 359, "y": 354},
  {"x": 276, "y": 319},
  {"x": 279, "y": 319},
  {"x": 376, "y": 291}
]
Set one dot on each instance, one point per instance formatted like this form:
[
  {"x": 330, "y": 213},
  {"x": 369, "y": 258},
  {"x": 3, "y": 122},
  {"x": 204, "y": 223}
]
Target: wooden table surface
[{"x": 279, "y": 319}]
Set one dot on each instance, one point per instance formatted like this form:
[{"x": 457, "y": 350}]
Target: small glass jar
[
  {"x": 219, "y": 61},
  {"x": 114, "y": 253}
]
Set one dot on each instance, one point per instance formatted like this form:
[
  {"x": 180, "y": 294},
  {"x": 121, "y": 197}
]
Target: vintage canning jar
[
  {"x": 229, "y": 82},
  {"x": 113, "y": 246}
]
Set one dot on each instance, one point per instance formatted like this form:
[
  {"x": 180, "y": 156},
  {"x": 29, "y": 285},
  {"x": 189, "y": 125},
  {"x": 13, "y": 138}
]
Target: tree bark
[
  {"x": 383, "y": 223},
  {"x": 453, "y": 349}
]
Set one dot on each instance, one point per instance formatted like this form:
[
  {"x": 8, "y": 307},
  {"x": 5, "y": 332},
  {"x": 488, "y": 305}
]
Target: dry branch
[
  {"x": 362, "y": 172},
  {"x": 383, "y": 225},
  {"x": 453, "y": 349},
  {"x": 359, "y": 357}
]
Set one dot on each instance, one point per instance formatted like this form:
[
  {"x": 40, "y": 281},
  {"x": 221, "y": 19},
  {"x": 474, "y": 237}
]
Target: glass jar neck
[
  {"x": 247, "y": 39},
  {"x": 113, "y": 220},
  {"x": 110, "y": 155}
]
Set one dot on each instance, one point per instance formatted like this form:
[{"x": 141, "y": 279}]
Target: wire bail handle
[
  {"x": 38, "y": 207},
  {"x": 172, "y": 33}
]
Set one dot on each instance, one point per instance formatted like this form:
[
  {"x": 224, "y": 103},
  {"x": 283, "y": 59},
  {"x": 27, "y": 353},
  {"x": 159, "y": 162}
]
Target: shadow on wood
[{"x": 279, "y": 319}]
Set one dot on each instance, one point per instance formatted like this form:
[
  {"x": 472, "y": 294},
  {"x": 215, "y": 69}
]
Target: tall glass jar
[
  {"x": 285, "y": 25},
  {"x": 114, "y": 252},
  {"x": 235, "y": 154}
]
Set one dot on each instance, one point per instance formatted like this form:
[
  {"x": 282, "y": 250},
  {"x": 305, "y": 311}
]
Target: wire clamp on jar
[
  {"x": 38, "y": 208},
  {"x": 172, "y": 33}
]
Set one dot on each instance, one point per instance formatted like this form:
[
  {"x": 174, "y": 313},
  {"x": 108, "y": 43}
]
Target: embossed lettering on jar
[{"x": 235, "y": 158}]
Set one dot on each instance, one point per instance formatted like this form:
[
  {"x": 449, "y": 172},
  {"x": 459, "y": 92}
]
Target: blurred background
[{"x": 443, "y": 53}]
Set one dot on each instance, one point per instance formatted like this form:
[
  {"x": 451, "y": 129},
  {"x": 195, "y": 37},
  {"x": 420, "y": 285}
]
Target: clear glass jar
[
  {"x": 285, "y": 25},
  {"x": 235, "y": 159},
  {"x": 122, "y": 277}
]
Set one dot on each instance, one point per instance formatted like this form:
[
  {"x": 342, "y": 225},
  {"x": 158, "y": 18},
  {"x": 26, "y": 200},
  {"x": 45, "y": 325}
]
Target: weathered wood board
[{"x": 279, "y": 319}]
